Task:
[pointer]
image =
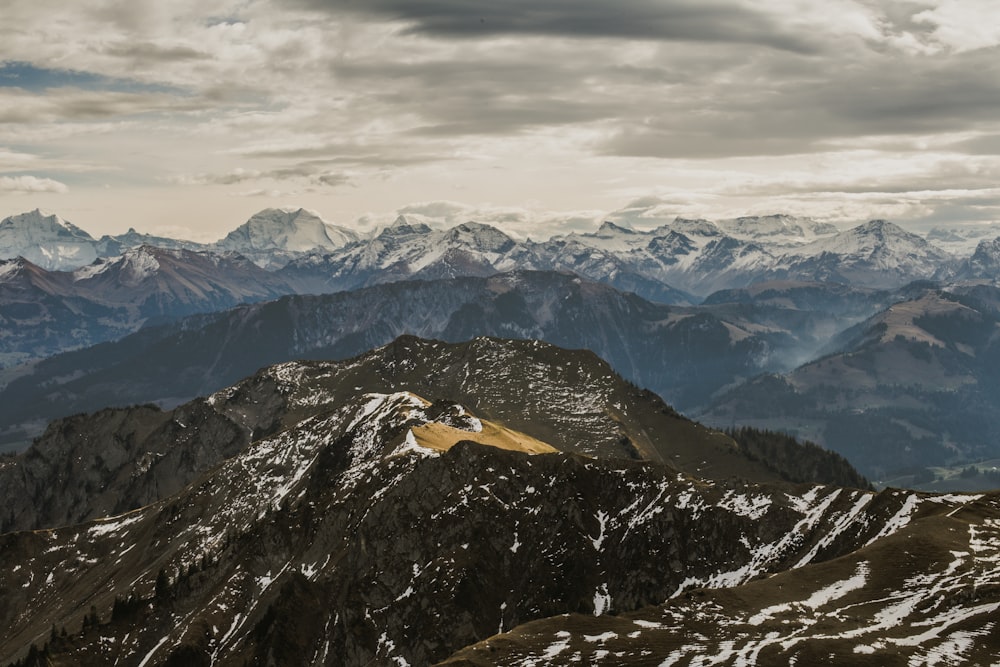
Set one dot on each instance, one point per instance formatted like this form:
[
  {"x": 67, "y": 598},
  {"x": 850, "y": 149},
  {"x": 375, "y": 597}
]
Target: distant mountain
[
  {"x": 667, "y": 264},
  {"x": 407, "y": 251},
  {"x": 914, "y": 386},
  {"x": 358, "y": 527},
  {"x": 274, "y": 236},
  {"x": 877, "y": 254},
  {"x": 781, "y": 228},
  {"x": 983, "y": 265},
  {"x": 46, "y": 312},
  {"x": 47, "y": 241},
  {"x": 683, "y": 354},
  {"x": 270, "y": 237},
  {"x": 113, "y": 246},
  {"x": 694, "y": 256},
  {"x": 701, "y": 257}
]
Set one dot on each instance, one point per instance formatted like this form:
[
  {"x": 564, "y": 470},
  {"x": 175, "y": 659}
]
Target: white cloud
[
  {"x": 964, "y": 25},
  {"x": 30, "y": 185}
]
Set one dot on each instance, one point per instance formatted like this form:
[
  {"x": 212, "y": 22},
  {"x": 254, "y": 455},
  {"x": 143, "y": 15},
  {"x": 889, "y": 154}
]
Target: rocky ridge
[{"x": 116, "y": 460}]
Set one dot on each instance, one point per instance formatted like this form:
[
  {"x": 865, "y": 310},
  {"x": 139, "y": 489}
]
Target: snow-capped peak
[
  {"x": 37, "y": 226},
  {"x": 132, "y": 266},
  {"x": 479, "y": 236},
  {"x": 287, "y": 229},
  {"x": 779, "y": 226},
  {"x": 46, "y": 240},
  {"x": 696, "y": 227}
]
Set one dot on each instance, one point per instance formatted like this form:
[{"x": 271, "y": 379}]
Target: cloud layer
[{"x": 118, "y": 112}]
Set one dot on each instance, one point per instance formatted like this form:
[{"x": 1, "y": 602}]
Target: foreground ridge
[{"x": 397, "y": 527}]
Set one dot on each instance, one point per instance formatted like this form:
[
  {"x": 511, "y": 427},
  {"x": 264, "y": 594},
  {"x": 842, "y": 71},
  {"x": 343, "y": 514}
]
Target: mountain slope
[
  {"x": 926, "y": 595},
  {"x": 682, "y": 354},
  {"x": 911, "y": 387},
  {"x": 336, "y": 538}
]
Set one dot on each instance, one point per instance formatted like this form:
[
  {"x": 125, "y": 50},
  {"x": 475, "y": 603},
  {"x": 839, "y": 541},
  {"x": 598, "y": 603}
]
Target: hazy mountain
[
  {"x": 364, "y": 527},
  {"x": 984, "y": 264},
  {"x": 46, "y": 312},
  {"x": 683, "y": 354},
  {"x": 46, "y": 240},
  {"x": 781, "y": 228},
  {"x": 701, "y": 257},
  {"x": 811, "y": 314},
  {"x": 118, "y": 244},
  {"x": 274, "y": 236},
  {"x": 913, "y": 386},
  {"x": 666, "y": 264}
]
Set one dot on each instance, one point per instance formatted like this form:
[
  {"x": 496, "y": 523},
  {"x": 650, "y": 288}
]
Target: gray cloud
[
  {"x": 987, "y": 144},
  {"x": 773, "y": 111},
  {"x": 673, "y": 20},
  {"x": 146, "y": 51},
  {"x": 306, "y": 173}
]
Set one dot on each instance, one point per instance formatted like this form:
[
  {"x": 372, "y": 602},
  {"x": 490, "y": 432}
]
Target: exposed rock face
[{"x": 335, "y": 534}]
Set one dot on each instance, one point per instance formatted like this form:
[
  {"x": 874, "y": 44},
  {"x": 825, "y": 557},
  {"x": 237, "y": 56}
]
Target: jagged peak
[
  {"x": 882, "y": 226},
  {"x": 608, "y": 227},
  {"x": 472, "y": 225},
  {"x": 699, "y": 226},
  {"x": 480, "y": 235},
  {"x": 402, "y": 226},
  {"x": 989, "y": 245}
]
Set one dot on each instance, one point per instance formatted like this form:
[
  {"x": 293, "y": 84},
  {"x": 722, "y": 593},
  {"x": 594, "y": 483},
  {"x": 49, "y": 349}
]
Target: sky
[{"x": 541, "y": 117}]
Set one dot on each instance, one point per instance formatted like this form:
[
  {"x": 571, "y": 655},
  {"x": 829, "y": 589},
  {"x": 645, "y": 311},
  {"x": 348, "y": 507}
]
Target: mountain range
[
  {"x": 270, "y": 237},
  {"x": 46, "y": 312},
  {"x": 684, "y": 354},
  {"x": 679, "y": 262},
  {"x": 508, "y": 524},
  {"x": 774, "y": 295}
]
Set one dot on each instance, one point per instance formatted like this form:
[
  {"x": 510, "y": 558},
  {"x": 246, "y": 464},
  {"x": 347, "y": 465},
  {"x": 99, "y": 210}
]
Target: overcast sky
[{"x": 539, "y": 116}]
